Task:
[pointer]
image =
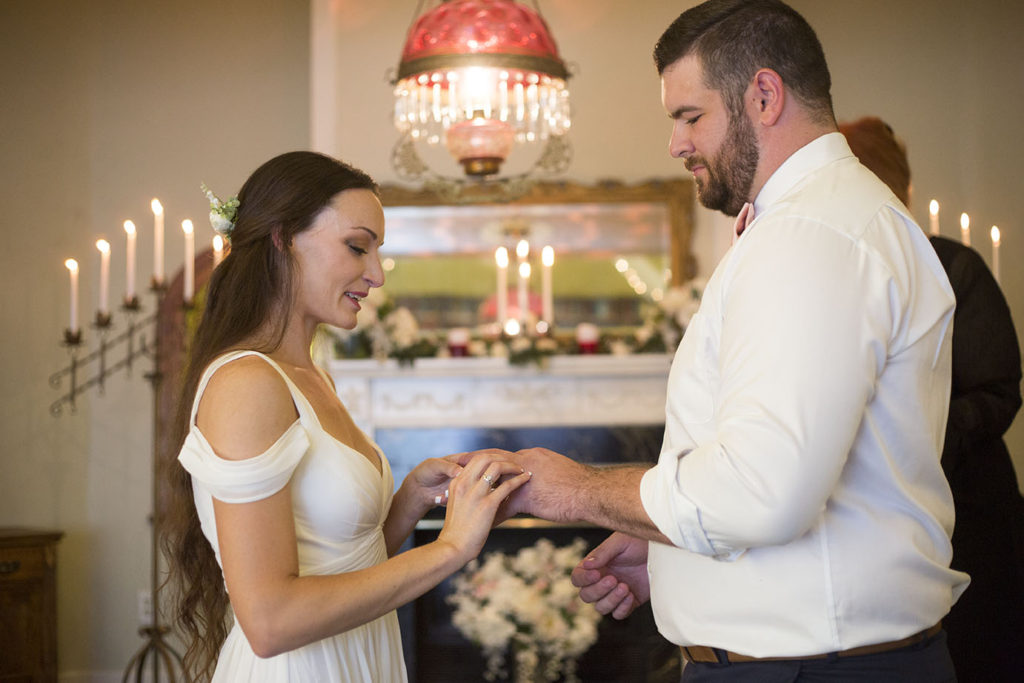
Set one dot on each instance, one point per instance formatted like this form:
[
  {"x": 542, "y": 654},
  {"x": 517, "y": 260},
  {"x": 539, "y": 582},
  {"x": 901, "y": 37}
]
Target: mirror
[{"x": 616, "y": 246}]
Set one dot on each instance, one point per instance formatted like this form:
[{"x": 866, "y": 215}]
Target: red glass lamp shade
[{"x": 481, "y": 75}]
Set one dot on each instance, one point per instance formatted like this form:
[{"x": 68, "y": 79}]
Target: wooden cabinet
[{"x": 28, "y": 605}]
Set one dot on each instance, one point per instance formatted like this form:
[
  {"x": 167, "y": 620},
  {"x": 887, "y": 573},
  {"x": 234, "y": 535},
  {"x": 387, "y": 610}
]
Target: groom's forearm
[{"x": 609, "y": 497}]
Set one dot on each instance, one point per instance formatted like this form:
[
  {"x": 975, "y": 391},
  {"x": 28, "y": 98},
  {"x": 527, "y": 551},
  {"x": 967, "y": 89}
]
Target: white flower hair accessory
[{"x": 222, "y": 213}]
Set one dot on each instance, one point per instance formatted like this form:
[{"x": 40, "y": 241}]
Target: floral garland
[
  {"x": 526, "y": 602},
  {"x": 384, "y": 330}
]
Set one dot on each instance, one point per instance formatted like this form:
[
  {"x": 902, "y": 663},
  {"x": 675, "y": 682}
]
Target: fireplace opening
[{"x": 630, "y": 650}]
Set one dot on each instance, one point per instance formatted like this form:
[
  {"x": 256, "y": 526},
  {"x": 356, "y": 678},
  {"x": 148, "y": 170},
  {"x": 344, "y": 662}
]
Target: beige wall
[{"x": 108, "y": 103}]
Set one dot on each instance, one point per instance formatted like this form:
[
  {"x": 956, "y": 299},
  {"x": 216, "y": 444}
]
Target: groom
[{"x": 797, "y": 519}]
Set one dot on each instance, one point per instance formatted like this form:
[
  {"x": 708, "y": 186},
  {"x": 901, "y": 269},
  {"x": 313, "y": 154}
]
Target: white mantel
[{"x": 442, "y": 392}]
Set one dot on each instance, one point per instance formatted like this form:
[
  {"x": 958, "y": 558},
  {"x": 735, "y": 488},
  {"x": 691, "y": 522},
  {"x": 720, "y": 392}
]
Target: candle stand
[{"x": 132, "y": 344}]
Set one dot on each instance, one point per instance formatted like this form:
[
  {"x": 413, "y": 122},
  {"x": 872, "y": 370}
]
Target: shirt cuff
[{"x": 671, "y": 511}]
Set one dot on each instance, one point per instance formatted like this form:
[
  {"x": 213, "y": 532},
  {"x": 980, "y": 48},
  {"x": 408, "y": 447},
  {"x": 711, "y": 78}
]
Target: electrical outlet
[{"x": 145, "y": 599}]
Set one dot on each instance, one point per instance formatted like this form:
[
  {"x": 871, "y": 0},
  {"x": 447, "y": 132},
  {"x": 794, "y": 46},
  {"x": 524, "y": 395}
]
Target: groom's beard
[{"x": 730, "y": 175}]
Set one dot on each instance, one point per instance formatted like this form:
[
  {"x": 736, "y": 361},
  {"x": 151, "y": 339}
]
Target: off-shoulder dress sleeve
[{"x": 244, "y": 481}]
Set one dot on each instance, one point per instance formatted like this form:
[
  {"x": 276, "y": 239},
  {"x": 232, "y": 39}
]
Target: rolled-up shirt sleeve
[{"x": 768, "y": 399}]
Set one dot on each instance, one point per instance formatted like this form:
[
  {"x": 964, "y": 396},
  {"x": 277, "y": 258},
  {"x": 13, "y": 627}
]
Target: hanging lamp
[{"x": 480, "y": 77}]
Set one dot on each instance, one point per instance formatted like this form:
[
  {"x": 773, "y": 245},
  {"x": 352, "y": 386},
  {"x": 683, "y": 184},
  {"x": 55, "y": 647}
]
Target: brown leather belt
[{"x": 709, "y": 655}]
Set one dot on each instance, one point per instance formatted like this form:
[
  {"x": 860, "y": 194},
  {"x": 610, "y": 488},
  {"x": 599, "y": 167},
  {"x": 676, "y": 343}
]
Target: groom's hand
[
  {"x": 613, "y": 577},
  {"x": 551, "y": 492}
]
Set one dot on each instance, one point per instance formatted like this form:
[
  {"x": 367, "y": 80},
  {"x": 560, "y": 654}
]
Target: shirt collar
[{"x": 814, "y": 155}]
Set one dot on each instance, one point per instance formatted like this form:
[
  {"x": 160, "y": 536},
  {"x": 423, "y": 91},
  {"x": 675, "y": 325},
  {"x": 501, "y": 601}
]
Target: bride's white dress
[{"x": 340, "y": 503}]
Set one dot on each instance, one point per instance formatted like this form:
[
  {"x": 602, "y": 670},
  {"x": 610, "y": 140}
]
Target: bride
[{"x": 281, "y": 508}]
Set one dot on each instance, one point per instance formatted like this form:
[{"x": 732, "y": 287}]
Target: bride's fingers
[
  {"x": 509, "y": 467},
  {"x": 492, "y": 464},
  {"x": 510, "y": 484},
  {"x": 496, "y": 471},
  {"x": 487, "y": 475},
  {"x": 460, "y": 459}
]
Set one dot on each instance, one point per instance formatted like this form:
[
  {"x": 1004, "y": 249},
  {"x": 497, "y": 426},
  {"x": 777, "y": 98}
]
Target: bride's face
[{"x": 338, "y": 259}]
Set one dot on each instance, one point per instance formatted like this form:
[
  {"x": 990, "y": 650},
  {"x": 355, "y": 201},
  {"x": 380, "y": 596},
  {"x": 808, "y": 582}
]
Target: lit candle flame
[
  {"x": 158, "y": 208},
  {"x": 103, "y": 246},
  {"x": 501, "y": 257},
  {"x": 129, "y": 227},
  {"x": 965, "y": 229},
  {"x": 547, "y": 256},
  {"x": 995, "y": 253}
]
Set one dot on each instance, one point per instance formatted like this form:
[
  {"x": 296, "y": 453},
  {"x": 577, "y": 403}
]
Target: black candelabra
[{"x": 140, "y": 338}]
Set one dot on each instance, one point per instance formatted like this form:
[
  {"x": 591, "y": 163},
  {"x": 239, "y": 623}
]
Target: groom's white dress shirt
[{"x": 799, "y": 478}]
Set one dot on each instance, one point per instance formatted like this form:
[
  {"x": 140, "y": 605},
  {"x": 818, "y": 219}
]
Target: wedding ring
[{"x": 489, "y": 479}]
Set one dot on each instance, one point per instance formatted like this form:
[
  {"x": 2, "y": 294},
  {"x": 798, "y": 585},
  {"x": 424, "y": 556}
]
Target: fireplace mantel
[{"x": 566, "y": 391}]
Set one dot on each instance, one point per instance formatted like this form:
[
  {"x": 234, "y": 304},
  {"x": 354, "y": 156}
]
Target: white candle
[
  {"x": 129, "y": 293},
  {"x": 547, "y": 258},
  {"x": 72, "y": 266},
  {"x": 218, "y": 250},
  {"x": 104, "y": 249},
  {"x": 522, "y": 253},
  {"x": 522, "y": 250},
  {"x": 158, "y": 241},
  {"x": 190, "y": 260},
  {"x": 933, "y": 211},
  {"x": 524, "y": 280},
  {"x": 995, "y": 253},
  {"x": 965, "y": 229},
  {"x": 501, "y": 259}
]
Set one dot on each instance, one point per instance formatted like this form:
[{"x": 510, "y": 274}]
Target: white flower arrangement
[
  {"x": 383, "y": 330},
  {"x": 666, "y": 321},
  {"x": 525, "y": 605},
  {"x": 222, "y": 213}
]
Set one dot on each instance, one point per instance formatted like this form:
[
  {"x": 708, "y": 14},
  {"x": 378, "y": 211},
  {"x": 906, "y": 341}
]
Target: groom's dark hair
[{"x": 732, "y": 39}]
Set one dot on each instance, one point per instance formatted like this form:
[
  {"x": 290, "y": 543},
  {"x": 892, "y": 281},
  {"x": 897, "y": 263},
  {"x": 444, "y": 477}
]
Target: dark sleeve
[{"x": 986, "y": 356}]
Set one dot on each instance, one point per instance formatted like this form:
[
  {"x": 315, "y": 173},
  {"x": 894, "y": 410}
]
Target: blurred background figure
[{"x": 985, "y": 628}]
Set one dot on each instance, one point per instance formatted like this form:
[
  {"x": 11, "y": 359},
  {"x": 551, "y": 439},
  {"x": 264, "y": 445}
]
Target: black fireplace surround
[{"x": 626, "y": 651}]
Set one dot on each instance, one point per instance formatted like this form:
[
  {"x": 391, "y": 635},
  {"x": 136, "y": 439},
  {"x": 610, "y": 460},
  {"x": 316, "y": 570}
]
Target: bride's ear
[{"x": 277, "y": 239}]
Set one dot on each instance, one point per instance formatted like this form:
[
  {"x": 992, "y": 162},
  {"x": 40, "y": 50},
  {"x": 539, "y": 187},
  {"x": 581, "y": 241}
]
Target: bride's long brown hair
[{"x": 249, "y": 292}]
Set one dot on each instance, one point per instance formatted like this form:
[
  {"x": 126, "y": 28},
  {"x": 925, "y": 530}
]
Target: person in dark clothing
[{"x": 985, "y": 628}]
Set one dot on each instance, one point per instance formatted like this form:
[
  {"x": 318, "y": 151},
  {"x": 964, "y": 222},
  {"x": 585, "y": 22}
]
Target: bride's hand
[
  {"x": 474, "y": 497},
  {"x": 430, "y": 480}
]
